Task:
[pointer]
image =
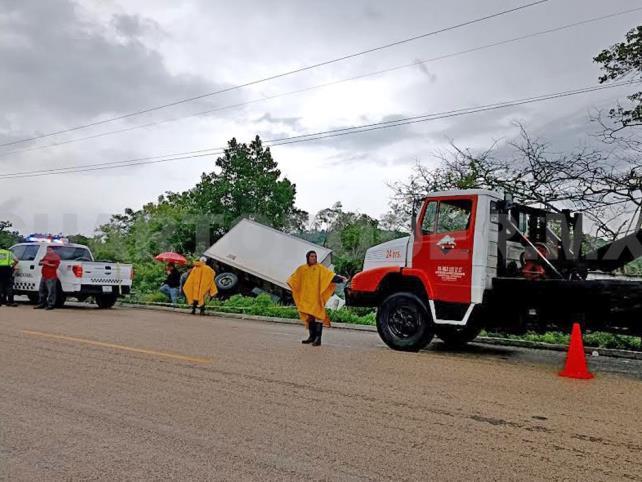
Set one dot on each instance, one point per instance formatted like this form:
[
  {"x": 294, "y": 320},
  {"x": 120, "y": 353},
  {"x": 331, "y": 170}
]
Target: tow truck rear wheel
[{"x": 403, "y": 322}]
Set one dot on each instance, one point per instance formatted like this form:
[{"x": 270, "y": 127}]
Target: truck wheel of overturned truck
[
  {"x": 455, "y": 336},
  {"x": 226, "y": 282},
  {"x": 105, "y": 301},
  {"x": 403, "y": 322}
]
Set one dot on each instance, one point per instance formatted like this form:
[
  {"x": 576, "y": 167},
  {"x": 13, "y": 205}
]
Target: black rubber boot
[
  {"x": 202, "y": 310},
  {"x": 194, "y": 308},
  {"x": 311, "y": 331},
  {"x": 319, "y": 332}
]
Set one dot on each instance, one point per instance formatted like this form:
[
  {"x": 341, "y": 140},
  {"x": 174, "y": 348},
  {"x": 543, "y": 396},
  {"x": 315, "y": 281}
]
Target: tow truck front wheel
[{"x": 403, "y": 323}]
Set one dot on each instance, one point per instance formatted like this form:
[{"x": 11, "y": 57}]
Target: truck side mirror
[{"x": 413, "y": 218}]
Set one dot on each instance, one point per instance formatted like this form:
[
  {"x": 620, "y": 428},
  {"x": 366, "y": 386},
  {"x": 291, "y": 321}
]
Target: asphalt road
[{"x": 129, "y": 394}]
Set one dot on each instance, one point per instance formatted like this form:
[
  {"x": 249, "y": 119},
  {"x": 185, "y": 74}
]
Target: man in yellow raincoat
[
  {"x": 312, "y": 286},
  {"x": 199, "y": 284}
]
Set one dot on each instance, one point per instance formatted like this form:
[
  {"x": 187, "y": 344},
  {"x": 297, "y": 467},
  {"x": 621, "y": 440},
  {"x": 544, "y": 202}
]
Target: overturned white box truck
[{"x": 253, "y": 258}]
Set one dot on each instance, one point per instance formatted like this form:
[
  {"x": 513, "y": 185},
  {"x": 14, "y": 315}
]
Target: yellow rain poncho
[
  {"x": 199, "y": 283},
  {"x": 312, "y": 287}
]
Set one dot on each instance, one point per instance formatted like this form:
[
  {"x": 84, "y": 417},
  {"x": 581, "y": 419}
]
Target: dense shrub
[
  {"x": 148, "y": 277},
  {"x": 596, "y": 339}
]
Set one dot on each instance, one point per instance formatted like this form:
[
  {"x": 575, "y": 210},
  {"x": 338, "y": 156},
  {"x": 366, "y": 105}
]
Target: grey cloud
[
  {"x": 424, "y": 70},
  {"x": 133, "y": 26},
  {"x": 367, "y": 143},
  {"x": 372, "y": 12},
  {"x": 293, "y": 122},
  {"x": 59, "y": 69},
  {"x": 62, "y": 67}
]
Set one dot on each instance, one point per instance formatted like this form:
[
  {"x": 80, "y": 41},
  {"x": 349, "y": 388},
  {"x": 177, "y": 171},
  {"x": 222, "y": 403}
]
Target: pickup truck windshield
[
  {"x": 72, "y": 253},
  {"x": 25, "y": 252}
]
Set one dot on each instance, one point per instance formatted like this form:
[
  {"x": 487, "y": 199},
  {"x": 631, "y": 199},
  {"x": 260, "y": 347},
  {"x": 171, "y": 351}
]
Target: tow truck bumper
[{"x": 360, "y": 298}]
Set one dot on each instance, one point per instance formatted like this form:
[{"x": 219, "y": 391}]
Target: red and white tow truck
[{"x": 475, "y": 260}]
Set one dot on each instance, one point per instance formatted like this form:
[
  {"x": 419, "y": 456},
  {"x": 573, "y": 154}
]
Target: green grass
[
  {"x": 263, "y": 305},
  {"x": 597, "y": 339}
]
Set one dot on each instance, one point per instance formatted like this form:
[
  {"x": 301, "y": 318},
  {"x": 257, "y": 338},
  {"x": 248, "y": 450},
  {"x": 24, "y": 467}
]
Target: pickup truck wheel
[
  {"x": 456, "y": 337},
  {"x": 226, "y": 281},
  {"x": 60, "y": 297},
  {"x": 105, "y": 301},
  {"x": 403, "y": 323}
]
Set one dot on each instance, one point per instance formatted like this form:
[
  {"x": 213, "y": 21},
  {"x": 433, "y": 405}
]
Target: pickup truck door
[{"x": 27, "y": 275}]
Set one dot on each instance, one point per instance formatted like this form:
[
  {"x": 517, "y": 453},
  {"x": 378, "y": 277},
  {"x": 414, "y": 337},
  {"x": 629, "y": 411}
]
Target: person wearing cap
[
  {"x": 7, "y": 266},
  {"x": 200, "y": 284},
  {"x": 312, "y": 286}
]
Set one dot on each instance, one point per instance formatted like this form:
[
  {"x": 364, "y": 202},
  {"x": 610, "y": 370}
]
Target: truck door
[{"x": 443, "y": 246}]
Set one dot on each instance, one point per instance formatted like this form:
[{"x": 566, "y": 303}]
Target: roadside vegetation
[{"x": 263, "y": 305}]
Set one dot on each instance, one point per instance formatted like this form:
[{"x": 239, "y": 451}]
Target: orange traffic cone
[{"x": 575, "y": 358}]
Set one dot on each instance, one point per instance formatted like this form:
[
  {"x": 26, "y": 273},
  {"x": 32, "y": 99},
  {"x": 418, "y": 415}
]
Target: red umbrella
[{"x": 170, "y": 257}]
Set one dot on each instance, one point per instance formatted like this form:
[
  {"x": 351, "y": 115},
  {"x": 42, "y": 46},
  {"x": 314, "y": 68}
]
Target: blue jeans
[
  {"x": 47, "y": 292},
  {"x": 171, "y": 293},
  {"x": 183, "y": 280}
]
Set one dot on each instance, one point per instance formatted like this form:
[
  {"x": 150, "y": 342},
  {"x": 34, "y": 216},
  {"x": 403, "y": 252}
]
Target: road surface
[{"x": 128, "y": 394}]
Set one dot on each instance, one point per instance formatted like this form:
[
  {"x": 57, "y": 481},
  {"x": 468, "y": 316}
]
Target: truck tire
[
  {"x": 105, "y": 301},
  {"x": 455, "y": 336},
  {"x": 226, "y": 282},
  {"x": 404, "y": 323},
  {"x": 60, "y": 296}
]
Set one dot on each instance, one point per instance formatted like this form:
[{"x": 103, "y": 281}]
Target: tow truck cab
[{"x": 474, "y": 260}]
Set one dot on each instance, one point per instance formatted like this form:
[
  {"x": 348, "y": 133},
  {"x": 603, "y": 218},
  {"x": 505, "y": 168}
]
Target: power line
[
  {"x": 277, "y": 76},
  {"x": 327, "y": 84},
  {"x": 316, "y": 135}
]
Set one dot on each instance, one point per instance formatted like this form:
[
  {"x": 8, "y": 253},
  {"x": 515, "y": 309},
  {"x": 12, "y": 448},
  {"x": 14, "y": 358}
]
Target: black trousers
[{"x": 6, "y": 285}]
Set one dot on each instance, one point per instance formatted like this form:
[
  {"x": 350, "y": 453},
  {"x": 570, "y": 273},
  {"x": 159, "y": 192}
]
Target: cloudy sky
[{"x": 68, "y": 63}]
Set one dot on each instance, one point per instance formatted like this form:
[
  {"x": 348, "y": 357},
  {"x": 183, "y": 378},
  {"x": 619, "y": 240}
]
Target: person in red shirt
[{"x": 49, "y": 280}]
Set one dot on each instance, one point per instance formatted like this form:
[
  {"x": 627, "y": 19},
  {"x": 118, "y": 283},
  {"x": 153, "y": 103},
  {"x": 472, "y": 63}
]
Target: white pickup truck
[{"x": 79, "y": 275}]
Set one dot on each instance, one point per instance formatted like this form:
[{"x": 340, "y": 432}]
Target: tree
[
  {"x": 247, "y": 184},
  {"x": 624, "y": 61},
  {"x": 607, "y": 189},
  {"x": 297, "y": 222},
  {"x": 110, "y": 241},
  {"x": 78, "y": 239},
  {"x": 8, "y": 236},
  {"x": 348, "y": 234}
]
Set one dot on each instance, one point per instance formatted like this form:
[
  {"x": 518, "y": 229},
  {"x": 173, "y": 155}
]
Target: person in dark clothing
[
  {"x": 171, "y": 286},
  {"x": 49, "y": 280},
  {"x": 7, "y": 268}
]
